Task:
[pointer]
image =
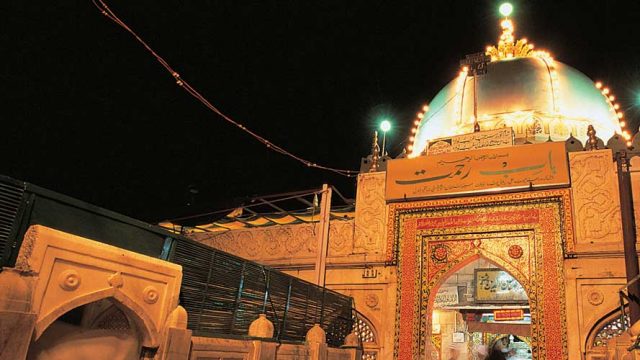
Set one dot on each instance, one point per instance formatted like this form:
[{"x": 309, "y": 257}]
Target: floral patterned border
[{"x": 538, "y": 222}]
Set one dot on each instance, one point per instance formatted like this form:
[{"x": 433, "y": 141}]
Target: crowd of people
[{"x": 500, "y": 350}]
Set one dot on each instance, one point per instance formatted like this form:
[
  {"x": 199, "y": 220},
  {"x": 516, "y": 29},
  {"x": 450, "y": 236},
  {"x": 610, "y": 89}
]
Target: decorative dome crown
[{"x": 522, "y": 88}]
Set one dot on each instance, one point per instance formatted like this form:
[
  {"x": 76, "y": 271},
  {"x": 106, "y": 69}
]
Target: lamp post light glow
[
  {"x": 506, "y": 9},
  {"x": 385, "y": 126}
]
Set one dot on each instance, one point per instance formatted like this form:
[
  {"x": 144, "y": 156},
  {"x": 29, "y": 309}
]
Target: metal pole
[
  {"x": 475, "y": 97},
  {"x": 476, "y": 124},
  {"x": 384, "y": 141},
  {"x": 323, "y": 235},
  {"x": 629, "y": 234}
]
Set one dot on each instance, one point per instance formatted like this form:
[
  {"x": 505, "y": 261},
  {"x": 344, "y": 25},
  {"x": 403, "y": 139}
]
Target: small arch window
[{"x": 367, "y": 336}]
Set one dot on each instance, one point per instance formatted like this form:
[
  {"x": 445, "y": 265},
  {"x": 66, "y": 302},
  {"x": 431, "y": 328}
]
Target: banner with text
[{"x": 487, "y": 170}]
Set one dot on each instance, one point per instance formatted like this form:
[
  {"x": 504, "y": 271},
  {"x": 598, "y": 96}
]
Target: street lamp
[{"x": 385, "y": 126}]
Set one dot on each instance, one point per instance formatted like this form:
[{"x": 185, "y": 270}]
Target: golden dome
[{"x": 527, "y": 90}]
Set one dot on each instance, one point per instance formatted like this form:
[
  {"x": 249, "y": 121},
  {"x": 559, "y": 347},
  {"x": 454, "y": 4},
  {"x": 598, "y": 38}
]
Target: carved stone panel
[
  {"x": 371, "y": 217},
  {"x": 297, "y": 242},
  {"x": 596, "y": 202},
  {"x": 72, "y": 271},
  {"x": 341, "y": 237}
]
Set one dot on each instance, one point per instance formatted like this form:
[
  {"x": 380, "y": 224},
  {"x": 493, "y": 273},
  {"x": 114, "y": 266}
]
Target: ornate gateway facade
[{"x": 499, "y": 230}]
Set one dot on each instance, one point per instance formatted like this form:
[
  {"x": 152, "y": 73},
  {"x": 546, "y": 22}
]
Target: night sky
[{"x": 87, "y": 112}]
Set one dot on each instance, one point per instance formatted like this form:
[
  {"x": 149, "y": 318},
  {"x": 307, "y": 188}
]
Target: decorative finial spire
[
  {"x": 375, "y": 153},
  {"x": 592, "y": 142},
  {"x": 507, "y": 46}
]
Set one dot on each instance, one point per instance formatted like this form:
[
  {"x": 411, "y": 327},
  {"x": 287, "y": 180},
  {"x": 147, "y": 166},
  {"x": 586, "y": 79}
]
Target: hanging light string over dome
[
  {"x": 606, "y": 92},
  {"x": 414, "y": 129},
  {"x": 106, "y": 11},
  {"x": 523, "y": 89}
]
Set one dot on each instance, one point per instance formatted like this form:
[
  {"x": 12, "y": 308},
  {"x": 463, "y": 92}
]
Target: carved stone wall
[
  {"x": 231, "y": 349},
  {"x": 592, "y": 286},
  {"x": 341, "y": 235},
  {"x": 296, "y": 244},
  {"x": 596, "y": 202},
  {"x": 371, "y": 213}
]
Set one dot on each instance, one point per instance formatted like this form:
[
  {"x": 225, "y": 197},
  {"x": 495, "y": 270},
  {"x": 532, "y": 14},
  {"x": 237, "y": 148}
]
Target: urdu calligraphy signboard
[
  {"x": 446, "y": 296},
  {"x": 495, "y": 285},
  {"x": 478, "y": 171},
  {"x": 484, "y": 139}
]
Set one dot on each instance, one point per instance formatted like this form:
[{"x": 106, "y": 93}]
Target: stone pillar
[
  {"x": 177, "y": 338},
  {"x": 317, "y": 343},
  {"x": 262, "y": 328},
  {"x": 351, "y": 344},
  {"x": 16, "y": 318},
  {"x": 323, "y": 236},
  {"x": 263, "y": 350}
]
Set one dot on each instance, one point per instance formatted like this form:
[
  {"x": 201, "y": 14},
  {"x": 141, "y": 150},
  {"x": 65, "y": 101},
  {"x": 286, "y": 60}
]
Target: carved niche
[{"x": 596, "y": 201}]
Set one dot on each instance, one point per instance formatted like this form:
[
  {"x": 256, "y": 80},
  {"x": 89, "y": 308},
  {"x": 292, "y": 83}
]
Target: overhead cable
[{"x": 106, "y": 11}]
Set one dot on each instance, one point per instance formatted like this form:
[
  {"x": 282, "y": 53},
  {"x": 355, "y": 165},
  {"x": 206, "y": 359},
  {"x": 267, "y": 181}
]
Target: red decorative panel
[{"x": 522, "y": 233}]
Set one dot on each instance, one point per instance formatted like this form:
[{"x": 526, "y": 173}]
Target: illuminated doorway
[{"x": 480, "y": 311}]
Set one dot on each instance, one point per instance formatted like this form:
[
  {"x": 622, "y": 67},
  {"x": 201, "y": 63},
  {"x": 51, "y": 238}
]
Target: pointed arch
[
  {"x": 453, "y": 267},
  {"x": 367, "y": 336},
  {"x": 148, "y": 332},
  {"x": 610, "y": 326},
  {"x": 367, "y": 333},
  {"x": 460, "y": 263}
]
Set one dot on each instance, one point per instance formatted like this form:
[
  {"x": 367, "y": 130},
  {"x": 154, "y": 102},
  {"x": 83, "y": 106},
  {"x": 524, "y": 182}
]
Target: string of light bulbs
[
  {"x": 106, "y": 11},
  {"x": 615, "y": 107}
]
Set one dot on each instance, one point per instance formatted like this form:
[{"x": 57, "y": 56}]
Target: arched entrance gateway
[
  {"x": 479, "y": 310},
  {"x": 519, "y": 235}
]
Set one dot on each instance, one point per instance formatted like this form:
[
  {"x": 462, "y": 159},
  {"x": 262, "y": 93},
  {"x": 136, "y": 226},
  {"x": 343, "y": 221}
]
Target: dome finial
[
  {"x": 375, "y": 153},
  {"x": 592, "y": 142},
  {"x": 507, "y": 46}
]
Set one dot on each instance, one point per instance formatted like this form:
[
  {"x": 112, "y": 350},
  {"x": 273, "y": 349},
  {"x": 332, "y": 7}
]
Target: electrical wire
[{"x": 106, "y": 11}]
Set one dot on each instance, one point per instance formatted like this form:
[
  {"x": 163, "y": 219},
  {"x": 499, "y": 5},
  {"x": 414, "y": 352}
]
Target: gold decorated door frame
[{"x": 522, "y": 233}]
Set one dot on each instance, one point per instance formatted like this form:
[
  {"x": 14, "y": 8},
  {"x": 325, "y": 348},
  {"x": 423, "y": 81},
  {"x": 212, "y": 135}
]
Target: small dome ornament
[
  {"x": 261, "y": 327},
  {"x": 351, "y": 340},
  {"x": 617, "y": 143},
  {"x": 573, "y": 144},
  {"x": 316, "y": 335}
]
